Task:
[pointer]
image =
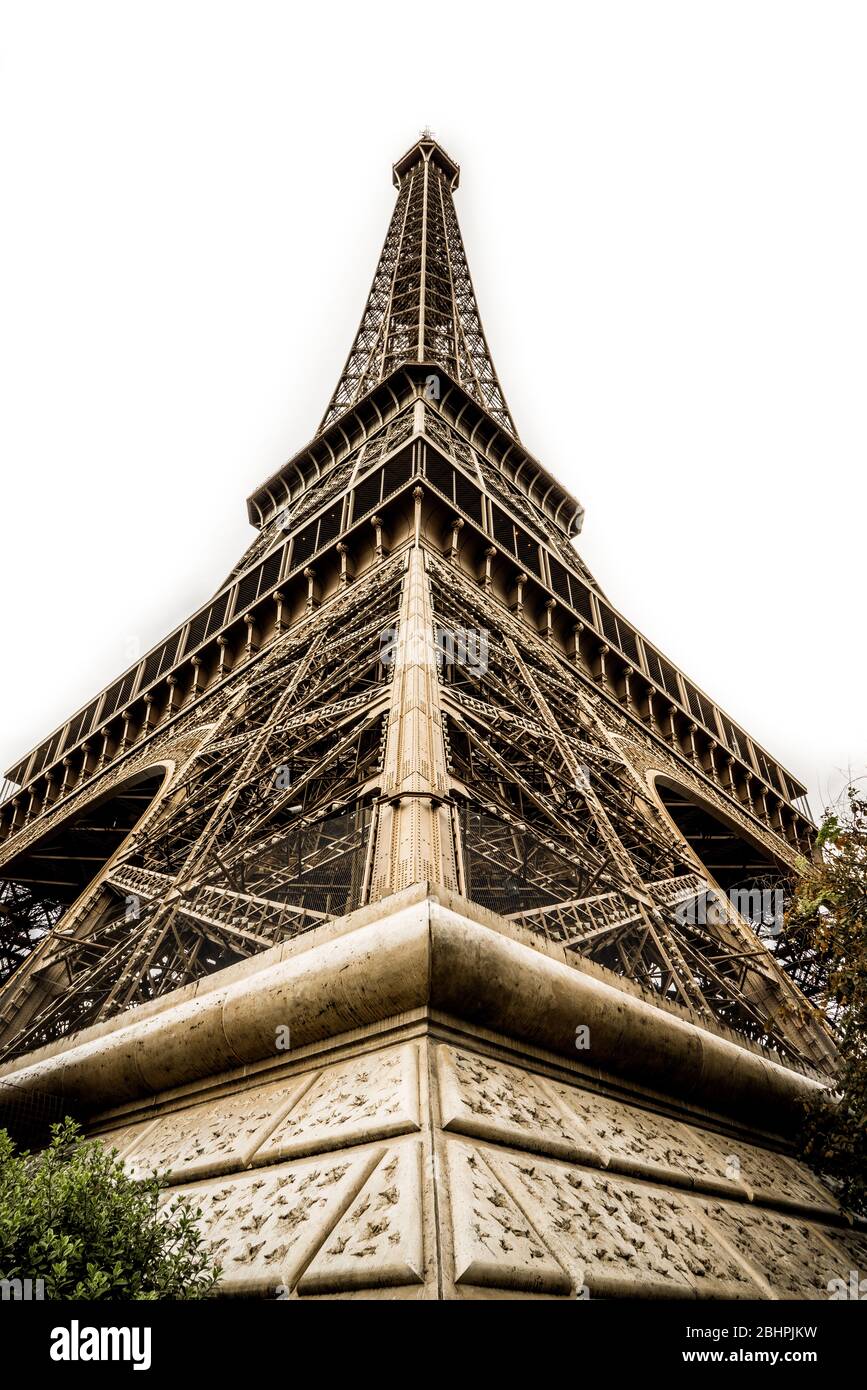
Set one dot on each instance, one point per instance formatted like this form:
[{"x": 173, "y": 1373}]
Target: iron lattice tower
[{"x": 410, "y": 676}]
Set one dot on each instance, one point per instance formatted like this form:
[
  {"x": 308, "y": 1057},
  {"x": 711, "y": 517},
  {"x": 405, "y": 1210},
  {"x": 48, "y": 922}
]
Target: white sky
[{"x": 665, "y": 212}]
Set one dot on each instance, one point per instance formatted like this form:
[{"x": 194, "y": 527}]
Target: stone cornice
[{"x": 416, "y": 951}]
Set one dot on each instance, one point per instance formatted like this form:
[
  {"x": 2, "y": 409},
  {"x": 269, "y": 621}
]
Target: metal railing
[{"x": 7, "y": 789}]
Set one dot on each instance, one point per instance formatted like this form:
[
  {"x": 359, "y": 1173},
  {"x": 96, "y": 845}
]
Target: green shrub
[
  {"x": 830, "y": 907},
  {"x": 72, "y": 1217}
]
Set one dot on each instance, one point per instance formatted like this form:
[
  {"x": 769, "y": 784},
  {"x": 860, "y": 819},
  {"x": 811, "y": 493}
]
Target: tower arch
[
  {"x": 40, "y": 884},
  {"x": 731, "y": 857}
]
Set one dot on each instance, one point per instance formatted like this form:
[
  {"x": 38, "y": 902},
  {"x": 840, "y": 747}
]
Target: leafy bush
[
  {"x": 71, "y": 1216},
  {"x": 830, "y": 905}
]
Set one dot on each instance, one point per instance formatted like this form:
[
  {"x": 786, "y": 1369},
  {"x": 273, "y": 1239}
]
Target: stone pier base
[{"x": 394, "y": 1106}]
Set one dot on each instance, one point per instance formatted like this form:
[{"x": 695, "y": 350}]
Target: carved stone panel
[
  {"x": 767, "y": 1175},
  {"x": 264, "y": 1227},
  {"x": 378, "y": 1243},
  {"x": 374, "y": 1096},
  {"x": 218, "y": 1137},
  {"x": 788, "y": 1253},
  {"x": 490, "y": 1100},
  {"x": 126, "y": 1137},
  {"x": 622, "y": 1238},
  {"x": 644, "y": 1143},
  {"x": 850, "y": 1261},
  {"x": 493, "y": 1243}
]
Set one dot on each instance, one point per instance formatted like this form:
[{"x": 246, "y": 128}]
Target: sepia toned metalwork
[{"x": 410, "y": 677}]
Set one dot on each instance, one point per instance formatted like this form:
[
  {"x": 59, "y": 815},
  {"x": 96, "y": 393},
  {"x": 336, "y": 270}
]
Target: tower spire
[{"x": 422, "y": 307}]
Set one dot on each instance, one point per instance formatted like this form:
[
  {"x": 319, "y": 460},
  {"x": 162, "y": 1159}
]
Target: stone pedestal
[{"x": 422, "y": 1101}]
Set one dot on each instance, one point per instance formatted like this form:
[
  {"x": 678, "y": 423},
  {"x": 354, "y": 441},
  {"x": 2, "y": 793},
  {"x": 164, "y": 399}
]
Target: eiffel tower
[{"x": 410, "y": 743}]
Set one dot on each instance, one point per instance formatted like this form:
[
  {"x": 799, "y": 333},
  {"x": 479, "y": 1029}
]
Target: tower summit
[
  {"x": 409, "y": 873},
  {"x": 422, "y": 307}
]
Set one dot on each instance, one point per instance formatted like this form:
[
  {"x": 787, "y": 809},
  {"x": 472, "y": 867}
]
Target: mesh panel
[
  {"x": 329, "y": 524},
  {"x": 44, "y": 754},
  {"x": 699, "y": 707},
  {"x": 270, "y": 571},
  {"x": 319, "y": 867},
  {"x": 303, "y": 546},
  {"x": 504, "y": 531},
  {"x": 609, "y": 624},
  {"x": 160, "y": 660},
  {"x": 196, "y": 632},
  {"x": 81, "y": 724},
  {"x": 17, "y": 772},
  {"x": 663, "y": 673},
  {"x": 581, "y": 600},
  {"x": 628, "y": 642},
  {"x": 119, "y": 693},
  {"x": 259, "y": 580},
  {"x": 468, "y": 498},
  {"x": 365, "y": 497},
  {"x": 28, "y": 1115},
  {"x": 507, "y": 868},
  {"x": 217, "y": 613},
  {"x": 440, "y": 474},
  {"x": 790, "y": 791},
  {"x": 397, "y": 472},
  {"x": 559, "y": 579},
  {"x": 111, "y": 698},
  {"x": 731, "y": 737},
  {"x": 764, "y": 766},
  {"x": 528, "y": 552}
]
